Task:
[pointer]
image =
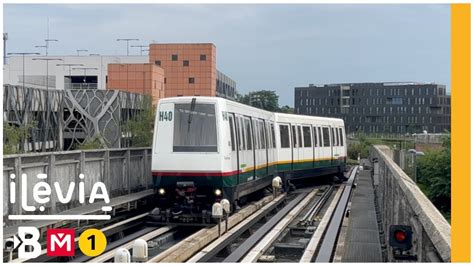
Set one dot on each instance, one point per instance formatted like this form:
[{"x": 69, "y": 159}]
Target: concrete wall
[
  {"x": 123, "y": 171},
  {"x": 401, "y": 202}
]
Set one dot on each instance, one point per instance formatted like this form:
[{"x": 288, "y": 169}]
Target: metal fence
[{"x": 123, "y": 171}]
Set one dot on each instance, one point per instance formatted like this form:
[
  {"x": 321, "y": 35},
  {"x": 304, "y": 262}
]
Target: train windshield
[{"x": 195, "y": 128}]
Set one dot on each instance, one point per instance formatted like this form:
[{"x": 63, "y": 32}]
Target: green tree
[
  {"x": 263, "y": 99},
  {"x": 434, "y": 175},
  {"x": 140, "y": 127},
  {"x": 286, "y": 109}
]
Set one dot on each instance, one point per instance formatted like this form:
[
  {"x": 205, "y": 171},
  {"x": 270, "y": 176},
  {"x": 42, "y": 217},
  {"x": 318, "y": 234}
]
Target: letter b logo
[
  {"x": 60, "y": 242},
  {"x": 28, "y": 236}
]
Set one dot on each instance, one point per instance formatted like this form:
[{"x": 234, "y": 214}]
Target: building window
[
  {"x": 191, "y": 80},
  {"x": 158, "y": 62},
  {"x": 202, "y": 57},
  {"x": 185, "y": 63},
  {"x": 174, "y": 57},
  {"x": 165, "y": 81}
]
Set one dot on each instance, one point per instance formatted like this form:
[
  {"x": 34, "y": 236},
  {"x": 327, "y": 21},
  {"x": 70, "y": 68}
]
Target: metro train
[{"x": 209, "y": 148}]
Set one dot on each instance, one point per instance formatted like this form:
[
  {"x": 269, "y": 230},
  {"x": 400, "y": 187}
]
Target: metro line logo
[{"x": 60, "y": 242}]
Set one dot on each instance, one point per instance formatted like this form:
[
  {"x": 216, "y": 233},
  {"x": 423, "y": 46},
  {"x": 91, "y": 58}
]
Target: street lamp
[
  {"x": 141, "y": 48},
  {"x": 47, "y": 44},
  {"x": 69, "y": 66},
  {"x": 43, "y": 46},
  {"x": 85, "y": 71},
  {"x": 415, "y": 154},
  {"x": 47, "y": 97},
  {"x": 81, "y": 50},
  {"x": 127, "y": 40},
  {"x": 23, "y": 55}
]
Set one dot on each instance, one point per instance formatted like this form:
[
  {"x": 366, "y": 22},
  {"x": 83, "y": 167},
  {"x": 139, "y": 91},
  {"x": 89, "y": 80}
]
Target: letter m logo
[{"x": 60, "y": 242}]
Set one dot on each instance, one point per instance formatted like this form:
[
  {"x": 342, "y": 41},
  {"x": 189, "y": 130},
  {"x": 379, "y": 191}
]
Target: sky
[{"x": 262, "y": 47}]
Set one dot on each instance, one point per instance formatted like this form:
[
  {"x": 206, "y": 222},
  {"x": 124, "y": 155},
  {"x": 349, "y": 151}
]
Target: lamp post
[
  {"x": 81, "y": 50},
  {"x": 127, "y": 40},
  {"x": 415, "y": 154},
  {"x": 47, "y": 44},
  {"x": 43, "y": 46},
  {"x": 47, "y": 111},
  {"x": 141, "y": 48},
  {"x": 23, "y": 55},
  {"x": 69, "y": 66},
  {"x": 85, "y": 71}
]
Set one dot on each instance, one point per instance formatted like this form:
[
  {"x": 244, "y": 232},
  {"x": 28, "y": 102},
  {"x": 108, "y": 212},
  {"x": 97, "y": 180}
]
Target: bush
[
  {"x": 94, "y": 143},
  {"x": 14, "y": 136},
  {"x": 434, "y": 174}
]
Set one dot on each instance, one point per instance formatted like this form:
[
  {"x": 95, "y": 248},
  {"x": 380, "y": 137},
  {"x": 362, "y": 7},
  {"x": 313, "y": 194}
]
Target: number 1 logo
[{"x": 92, "y": 242}]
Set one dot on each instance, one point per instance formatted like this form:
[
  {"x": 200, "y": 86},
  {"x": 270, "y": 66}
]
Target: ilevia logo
[{"x": 60, "y": 242}]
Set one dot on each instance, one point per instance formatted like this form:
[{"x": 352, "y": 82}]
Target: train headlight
[
  {"x": 161, "y": 191},
  {"x": 218, "y": 192}
]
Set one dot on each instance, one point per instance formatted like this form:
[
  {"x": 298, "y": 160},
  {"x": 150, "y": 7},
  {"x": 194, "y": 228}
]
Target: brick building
[{"x": 174, "y": 70}]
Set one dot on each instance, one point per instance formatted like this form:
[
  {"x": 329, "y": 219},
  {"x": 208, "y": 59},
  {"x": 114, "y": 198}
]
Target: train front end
[{"x": 187, "y": 164}]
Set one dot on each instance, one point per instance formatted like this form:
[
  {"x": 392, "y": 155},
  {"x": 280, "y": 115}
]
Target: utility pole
[{"x": 127, "y": 40}]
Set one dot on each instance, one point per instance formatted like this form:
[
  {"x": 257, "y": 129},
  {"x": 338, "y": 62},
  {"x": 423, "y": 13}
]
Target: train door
[
  {"x": 260, "y": 152},
  {"x": 306, "y": 147},
  {"x": 325, "y": 151},
  {"x": 245, "y": 150},
  {"x": 249, "y": 149},
  {"x": 295, "y": 146},
  {"x": 234, "y": 142},
  {"x": 334, "y": 146},
  {"x": 270, "y": 130},
  {"x": 316, "y": 147}
]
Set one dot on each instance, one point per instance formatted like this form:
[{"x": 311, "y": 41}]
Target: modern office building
[{"x": 379, "y": 107}]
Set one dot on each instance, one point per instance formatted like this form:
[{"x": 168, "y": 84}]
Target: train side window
[
  {"x": 263, "y": 143},
  {"x": 273, "y": 135},
  {"x": 307, "y": 137},
  {"x": 341, "y": 138},
  {"x": 232, "y": 135},
  {"x": 326, "y": 137},
  {"x": 293, "y": 133},
  {"x": 336, "y": 136},
  {"x": 300, "y": 137},
  {"x": 284, "y": 136}
]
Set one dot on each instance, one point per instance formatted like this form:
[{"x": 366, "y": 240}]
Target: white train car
[{"x": 209, "y": 148}]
